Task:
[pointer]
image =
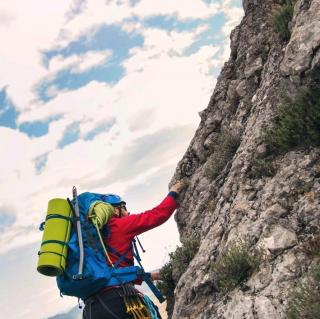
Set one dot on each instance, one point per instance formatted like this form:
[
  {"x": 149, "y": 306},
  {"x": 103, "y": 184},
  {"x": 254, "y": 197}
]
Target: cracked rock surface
[{"x": 276, "y": 213}]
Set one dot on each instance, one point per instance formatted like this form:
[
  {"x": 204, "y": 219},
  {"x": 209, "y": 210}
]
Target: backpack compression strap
[{"x": 146, "y": 276}]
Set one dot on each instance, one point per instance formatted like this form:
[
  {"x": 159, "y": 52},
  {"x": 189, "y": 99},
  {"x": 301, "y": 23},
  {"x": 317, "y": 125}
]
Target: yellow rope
[
  {"x": 100, "y": 213},
  {"x": 93, "y": 220}
]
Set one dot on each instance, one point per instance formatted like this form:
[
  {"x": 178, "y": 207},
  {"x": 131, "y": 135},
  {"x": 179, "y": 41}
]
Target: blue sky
[{"x": 104, "y": 96}]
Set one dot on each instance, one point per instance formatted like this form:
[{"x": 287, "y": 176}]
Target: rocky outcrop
[{"x": 276, "y": 213}]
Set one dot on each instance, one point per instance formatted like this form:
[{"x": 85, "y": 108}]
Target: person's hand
[
  {"x": 155, "y": 275},
  {"x": 178, "y": 186}
]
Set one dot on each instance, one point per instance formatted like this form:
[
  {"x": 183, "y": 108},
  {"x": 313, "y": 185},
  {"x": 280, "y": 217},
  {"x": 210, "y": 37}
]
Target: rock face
[{"x": 277, "y": 213}]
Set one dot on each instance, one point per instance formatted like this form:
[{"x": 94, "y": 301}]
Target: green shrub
[
  {"x": 184, "y": 255},
  {"x": 297, "y": 124},
  {"x": 166, "y": 285},
  {"x": 312, "y": 246},
  {"x": 234, "y": 266},
  {"x": 226, "y": 147},
  {"x": 262, "y": 167},
  {"x": 304, "y": 301},
  {"x": 281, "y": 21},
  {"x": 172, "y": 271}
]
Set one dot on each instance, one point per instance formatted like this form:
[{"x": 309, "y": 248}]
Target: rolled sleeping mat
[{"x": 56, "y": 235}]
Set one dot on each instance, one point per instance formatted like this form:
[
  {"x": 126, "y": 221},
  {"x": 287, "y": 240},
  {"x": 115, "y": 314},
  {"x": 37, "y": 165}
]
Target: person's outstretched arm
[{"x": 136, "y": 224}]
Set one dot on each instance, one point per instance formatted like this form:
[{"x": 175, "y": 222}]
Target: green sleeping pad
[{"x": 54, "y": 245}]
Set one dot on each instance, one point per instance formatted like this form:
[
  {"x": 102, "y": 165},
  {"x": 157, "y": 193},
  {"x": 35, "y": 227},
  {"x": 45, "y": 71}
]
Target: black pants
[{"x": 107, "y": 305}]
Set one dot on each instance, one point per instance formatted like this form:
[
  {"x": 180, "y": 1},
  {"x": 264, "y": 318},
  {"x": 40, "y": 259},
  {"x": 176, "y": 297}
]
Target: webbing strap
[
  {"x": 107, "y": 308},
  {"x": 50, "y": 252},
  {"x": 143, "y": 250},
  {"x": 52, "y": 241},
  {"x": 90, "y": 239},
  {"x": 136, "y": 251},
  {"x": 146, "y": 277},
  {"x": 121, "y": 257},
  {"x": 50, "y": 216},
  {"x": 87, "y": 308}
]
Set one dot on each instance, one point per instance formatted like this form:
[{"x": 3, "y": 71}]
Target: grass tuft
[
  {"x": 172, "y": 271},
  {"x": 225, "y": 149},
  {"x": 262, "y": 167},
  {"x": 234, "y": 266},
  {"x": 304, "y": 301},
  {"x": 281, "y": 20},
  {"x": 297, "y": 124},
  {"x": 312, "y": 246}
]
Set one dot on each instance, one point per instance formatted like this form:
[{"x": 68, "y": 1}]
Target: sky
[{"x": 103, "y": 95}]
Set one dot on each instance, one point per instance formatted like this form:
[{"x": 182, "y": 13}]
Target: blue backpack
[{"x": 86, "y": 270}]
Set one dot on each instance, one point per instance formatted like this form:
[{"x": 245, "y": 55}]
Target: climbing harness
[{"x": 136, "y": 305}]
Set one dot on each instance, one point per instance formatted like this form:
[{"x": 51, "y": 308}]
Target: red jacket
[{"x": 123, "y": 230}]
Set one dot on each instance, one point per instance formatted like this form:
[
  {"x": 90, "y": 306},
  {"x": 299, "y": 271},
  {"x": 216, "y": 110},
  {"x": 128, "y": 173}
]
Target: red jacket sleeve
[{"x": 136, "y": 224}]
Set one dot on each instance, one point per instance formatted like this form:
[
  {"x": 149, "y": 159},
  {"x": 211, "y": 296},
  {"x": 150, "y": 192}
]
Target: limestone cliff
[{"x": 278, "y": 212}]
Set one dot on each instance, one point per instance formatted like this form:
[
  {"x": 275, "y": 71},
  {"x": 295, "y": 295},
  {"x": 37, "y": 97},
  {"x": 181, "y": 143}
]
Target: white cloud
[
  {"x": 183, "y": 10},
  {"x": 6, "y": 18},
  {"x": 39, "y": 25},
  {"x": 158, "y": 42},
  {"x": 34, "y": 29},
  {"x": 21, "y": 284},
  {"x": 95, "y": 14},
  {"x": 79, "y": 63},
  {"x": 53, "y": 90},
  {"x": 233, "y": 15},
  {"x": 99, "y": 12},
  {"x": 15, "y": 154},
  {"x": 157, "y": 68}
]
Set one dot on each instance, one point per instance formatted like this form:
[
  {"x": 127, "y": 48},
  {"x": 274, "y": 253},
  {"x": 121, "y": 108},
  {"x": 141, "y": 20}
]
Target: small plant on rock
[
  {"x": 226, "y": 147},
  {"x": 312, "y": 246},
  {"x": 281, "y": 21},
  {"x": 297, "y": 124},
  {"x": 262, "y": 167},
  {"x": 172, "y": 271},
  {"x": 184, "y": 255},
  {"x": 166, "y": 285},
  {"x": 304, "y": 301},
  {"x": 234, "y": 265}
]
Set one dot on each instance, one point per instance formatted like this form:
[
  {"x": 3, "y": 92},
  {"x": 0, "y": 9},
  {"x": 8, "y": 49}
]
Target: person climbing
[{"x": 112, "y": 302}]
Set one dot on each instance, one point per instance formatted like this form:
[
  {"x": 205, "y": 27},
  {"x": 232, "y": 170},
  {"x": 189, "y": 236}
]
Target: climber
[{"x": 110, "y": 302}]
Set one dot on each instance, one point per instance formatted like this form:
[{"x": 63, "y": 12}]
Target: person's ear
[{"x": 116, "y": 211}]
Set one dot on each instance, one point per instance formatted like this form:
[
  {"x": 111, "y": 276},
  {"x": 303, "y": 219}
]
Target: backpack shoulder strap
[{"x": 122, "y": 257}]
